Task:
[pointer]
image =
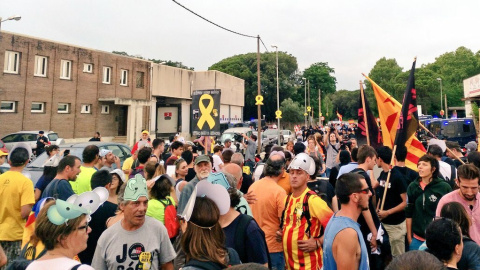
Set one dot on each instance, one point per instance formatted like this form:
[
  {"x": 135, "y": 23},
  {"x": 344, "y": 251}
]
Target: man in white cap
[
  {"x": 16, "y": 200},
  {"x": 304, "y": 217},
  {"x": 137, "y": 241},
  {"x": 110, "y": 161}
]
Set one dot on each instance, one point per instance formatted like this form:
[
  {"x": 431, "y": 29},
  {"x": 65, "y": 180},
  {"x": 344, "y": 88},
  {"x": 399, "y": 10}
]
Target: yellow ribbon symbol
[
  {"x": 309, "y": 109},
  {"x": 259, "y": 100},
  {"x": 278, "y": 114},
  {"x": 305, "y": 114},
  {"x": 206, "y": 112}
]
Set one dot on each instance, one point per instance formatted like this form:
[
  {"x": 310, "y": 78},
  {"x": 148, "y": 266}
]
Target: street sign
[
  {"x": 205, "y": 112},
  {"x": 309, "y": 108}
]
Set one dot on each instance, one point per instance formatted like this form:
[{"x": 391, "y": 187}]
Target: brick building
[{"x": 73, "y": 91}]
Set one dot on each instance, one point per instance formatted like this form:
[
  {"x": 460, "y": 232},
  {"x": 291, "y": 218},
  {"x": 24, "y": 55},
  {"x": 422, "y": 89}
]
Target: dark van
[{"x": 461, "y": 130}]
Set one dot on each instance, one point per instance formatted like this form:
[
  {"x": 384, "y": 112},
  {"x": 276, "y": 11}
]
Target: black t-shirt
[
  {"x": 397, "y": 185},
  {"x": 98, "y": 226},
  {"x": 190, "y": 175},
  {"x": 410, "y": 175},
  {"x": 94, "y": 139},
  {"x": 361, "y": 220},
  {"x": 41, "y": 145}
]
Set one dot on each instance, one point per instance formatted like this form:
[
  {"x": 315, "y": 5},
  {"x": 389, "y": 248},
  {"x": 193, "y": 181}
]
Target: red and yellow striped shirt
[{"x": 294, "y": 230}]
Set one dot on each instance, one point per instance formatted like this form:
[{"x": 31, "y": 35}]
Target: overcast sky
[{"x": 350, "y": 35}]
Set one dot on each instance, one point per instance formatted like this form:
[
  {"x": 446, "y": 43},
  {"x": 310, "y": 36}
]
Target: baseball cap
[
  {"x": 471, "y": 146},
  {"x": 104, "y": 152},
  {"x": 41, "y": 132},
  {"x": 3, "y": 153},
  {"x": 145, "y": 132},
  {"x": 202, "y": 158},
  {"x": 304, "y": 162},
  {"x": 120, "y": 174}
]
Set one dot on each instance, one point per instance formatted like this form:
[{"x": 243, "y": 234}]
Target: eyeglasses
[
  {"x": 364, "y": 191},
  {"x": 85, "y": 227}
]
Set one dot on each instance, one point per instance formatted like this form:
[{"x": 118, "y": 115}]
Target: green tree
[
  {"x": 453, "y": 68},
  {"x": 320, "y": 77},
  {"x": 244, "y": 66},
  {"x": 292, "y": 111},
  {"x": 346, "y": 102}
]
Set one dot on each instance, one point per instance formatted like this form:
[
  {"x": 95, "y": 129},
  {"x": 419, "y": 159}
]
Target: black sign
[{"x": 206, "y": 112}]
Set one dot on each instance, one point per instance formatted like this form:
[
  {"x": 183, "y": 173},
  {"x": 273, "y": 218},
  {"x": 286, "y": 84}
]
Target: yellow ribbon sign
[
  {"x": 305, "y": 114},
  {"x": 206, "y": 112},
  {"x": 309, "y": 108},
  {"x": 259, "y": 100},
  {"x": 278, "y": 114}
]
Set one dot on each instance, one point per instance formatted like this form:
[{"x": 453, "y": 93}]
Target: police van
[{"x": 461, "y": 130}]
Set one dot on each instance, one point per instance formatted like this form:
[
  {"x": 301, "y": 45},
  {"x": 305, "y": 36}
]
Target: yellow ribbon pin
[
  {"x": 278, "y": 114},
  {"x": 309, "y": 108},
  {"x": 259, "y": 100},
  {"x": 206, "y": 112}
]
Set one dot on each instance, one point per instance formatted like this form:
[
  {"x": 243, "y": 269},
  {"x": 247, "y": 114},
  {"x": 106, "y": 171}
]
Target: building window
[
  {"x": 63, "y": 108},
  {"x": 38, "y": 107},
  {"x": 107, "y": 75},
  {"x": 41, "y": 63},
  {"x": 86, "y": 108},
  {"x": 105, "y": 109},
  {"x": 124, "y": 78},
  {"x": 140, "y": 79},
  {"x": 87, "y": 68},
  {"x": 8, "y": 106},
  {"x": 12, "y": 62},
  {"x": 65, "y": 69}
]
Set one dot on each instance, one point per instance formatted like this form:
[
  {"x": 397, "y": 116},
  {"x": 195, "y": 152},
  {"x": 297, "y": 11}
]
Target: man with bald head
[
  {"x": 236, "y": 171},
  {"x": 269, "y": 206}
]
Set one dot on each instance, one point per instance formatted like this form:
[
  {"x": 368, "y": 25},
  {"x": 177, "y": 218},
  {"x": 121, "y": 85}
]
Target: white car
[
  {"x": 30, "y": 137},
  {"x": 288, "y": 135}
]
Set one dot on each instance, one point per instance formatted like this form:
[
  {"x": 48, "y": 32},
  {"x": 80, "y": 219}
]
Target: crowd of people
[{"x": 320, "y": 202}]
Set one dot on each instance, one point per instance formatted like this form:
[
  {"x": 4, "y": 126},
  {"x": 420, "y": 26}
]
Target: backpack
[
  {"x": 240, "y": 232},
  {"x": 21, "y": 263},
  {"x": 171, "y": 221},
  {"x": 233, "y": 259},
  {"x": 305, "y": 212}
]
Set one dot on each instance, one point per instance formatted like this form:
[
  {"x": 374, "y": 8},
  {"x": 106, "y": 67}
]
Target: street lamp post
[
  {"x": 305, "y": 114},
  {"x": 16, "y": 18},
  {"x": 441, "y": 95},
  {"x": 278, "y": 97}
]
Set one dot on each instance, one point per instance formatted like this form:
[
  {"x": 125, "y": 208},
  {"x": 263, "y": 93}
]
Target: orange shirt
[
  {"x": 268, "y": 208},
  {"x": 294, "y": 230},
  {"x": 284, "y": 182}
]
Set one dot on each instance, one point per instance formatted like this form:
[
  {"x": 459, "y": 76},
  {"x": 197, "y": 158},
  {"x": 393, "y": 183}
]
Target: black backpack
[
  {"x": 21, "y": 262},
  {"x": 240, "y": 232}
]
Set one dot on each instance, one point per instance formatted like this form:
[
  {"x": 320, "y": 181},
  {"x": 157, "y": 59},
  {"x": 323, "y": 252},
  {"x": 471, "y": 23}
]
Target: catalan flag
[
  {"x": 389, "y": 110},
  {"x": 408, "y": 121}
]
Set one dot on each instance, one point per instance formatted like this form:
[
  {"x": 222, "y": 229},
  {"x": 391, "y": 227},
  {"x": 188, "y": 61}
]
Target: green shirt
[
  {"x": 157, "y": 210},
  {"x": 82, "y": 184}
]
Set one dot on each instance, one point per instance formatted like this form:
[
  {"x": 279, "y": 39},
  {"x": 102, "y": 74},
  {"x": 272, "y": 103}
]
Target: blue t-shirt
[
  {"x": 42, "y": 183},
  {"x": 63, "y": 189},
  {"x": 255, "y": 248}
]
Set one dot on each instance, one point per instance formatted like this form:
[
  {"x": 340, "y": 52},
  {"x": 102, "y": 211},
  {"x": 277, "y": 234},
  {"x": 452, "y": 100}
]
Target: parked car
[
  {"x": 3, "y": 147},
  {"x": 35, "y": 169},
  {"x": 461, "y": 130},
  {"x": 272, "y": 135},
  {"x": 30, "y": 137},
  {"x": 288, "y": 135}
]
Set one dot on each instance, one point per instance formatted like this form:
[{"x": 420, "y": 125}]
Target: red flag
[{"x": 373, "y": 131}]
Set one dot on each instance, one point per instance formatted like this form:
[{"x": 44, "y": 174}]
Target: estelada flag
[
  {"x": 373, "y": 130},
  {"x": 339, "y": 116},
  {"x": 389, "y": 113},
  {"x": 408, "y": 121}
]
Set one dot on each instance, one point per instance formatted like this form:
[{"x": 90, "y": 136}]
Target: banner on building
[{"x": 205, "y": 112}]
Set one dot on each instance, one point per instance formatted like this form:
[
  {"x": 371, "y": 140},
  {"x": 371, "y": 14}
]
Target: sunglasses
[
  {"x": 85, "y": 227},
  {"x": 364, "y": 191}
]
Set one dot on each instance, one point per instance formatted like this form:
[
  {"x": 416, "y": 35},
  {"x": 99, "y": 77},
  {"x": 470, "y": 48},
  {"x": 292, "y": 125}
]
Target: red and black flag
[
  {"x": 408, "y": 121},
  {"x": 373, "y": 131}
]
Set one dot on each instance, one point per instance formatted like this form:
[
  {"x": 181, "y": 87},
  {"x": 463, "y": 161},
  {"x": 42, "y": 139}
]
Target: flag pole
[
  {"x": 364, "y": 112},
  {"x": 448, "y": 149},
  {"x": 388, "y": 177}
]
